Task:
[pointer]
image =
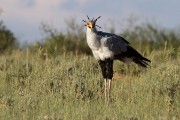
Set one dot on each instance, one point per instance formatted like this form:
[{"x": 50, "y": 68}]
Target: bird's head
[{"x": 91, "y": 23}]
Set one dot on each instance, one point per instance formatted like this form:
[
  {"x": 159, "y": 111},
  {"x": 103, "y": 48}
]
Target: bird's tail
[
  {"x": 142, "y": 62},
  {"x": 138, "y": 58}
]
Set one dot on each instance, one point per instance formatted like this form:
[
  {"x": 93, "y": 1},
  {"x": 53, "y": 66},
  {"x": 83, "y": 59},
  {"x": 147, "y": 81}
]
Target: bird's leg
[
  {"x": 104, "y": 73},
  {"x": 105, "y": 89},
  {"x": 109, "y": 75},
  {"x": 109, "y": 88}
]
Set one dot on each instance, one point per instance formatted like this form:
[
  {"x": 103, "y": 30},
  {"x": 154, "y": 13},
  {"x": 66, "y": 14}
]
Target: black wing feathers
[{"x": 137, "y": 57}]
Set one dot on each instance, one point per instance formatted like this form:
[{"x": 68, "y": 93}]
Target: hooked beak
[{"x": 89, "y": 25}]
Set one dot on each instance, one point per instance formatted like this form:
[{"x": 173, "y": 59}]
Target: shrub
[
  {"x": 145, "y": 37},
  {"x": 7, "y": 39}
]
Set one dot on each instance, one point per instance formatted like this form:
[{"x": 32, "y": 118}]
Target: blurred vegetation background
[
  {"x": 8, "y": 42},
  {"x": 145, "y": 37}
]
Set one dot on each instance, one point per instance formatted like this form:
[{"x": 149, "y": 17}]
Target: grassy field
[{"x": 69, "y": 86}]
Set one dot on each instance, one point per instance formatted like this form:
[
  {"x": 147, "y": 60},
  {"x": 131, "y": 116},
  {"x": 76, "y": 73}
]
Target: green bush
[
  {"x": 145, "y": 37},
  {"x": 148, "y": 36},
  {"x": 57, "y": 43},
  {"x": 7, "y": 39}
]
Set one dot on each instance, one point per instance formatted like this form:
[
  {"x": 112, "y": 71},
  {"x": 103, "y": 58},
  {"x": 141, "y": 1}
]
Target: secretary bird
[{"x": 107, "y": 47}]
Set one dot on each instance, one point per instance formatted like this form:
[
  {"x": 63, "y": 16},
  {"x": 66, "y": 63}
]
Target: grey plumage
[
  {"x": 115, "y": 43},
  {"x": 107, "y": 45}
]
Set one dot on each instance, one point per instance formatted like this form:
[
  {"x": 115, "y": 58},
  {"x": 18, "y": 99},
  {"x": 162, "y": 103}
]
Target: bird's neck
[
  {"x": 92, "y": 38},
  {"x": 92, "y": 30}
]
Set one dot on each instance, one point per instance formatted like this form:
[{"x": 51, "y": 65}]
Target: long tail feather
[
  {"x": 137, "y": 57},
  {"x": 140, "y": 62}
]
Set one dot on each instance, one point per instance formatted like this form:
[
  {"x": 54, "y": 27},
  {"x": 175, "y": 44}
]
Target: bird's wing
[{"x": 115, "y": 43}]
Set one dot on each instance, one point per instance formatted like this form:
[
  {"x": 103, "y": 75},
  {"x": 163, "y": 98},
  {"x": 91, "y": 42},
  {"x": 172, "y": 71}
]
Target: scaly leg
[
  {"x": 109, "y": 88},
  {"x": 107, "y": 72},
  {"x": 105, "y": 90},
  {"x": 109, "y": 76},
  {"x": 104, "y": 73}
]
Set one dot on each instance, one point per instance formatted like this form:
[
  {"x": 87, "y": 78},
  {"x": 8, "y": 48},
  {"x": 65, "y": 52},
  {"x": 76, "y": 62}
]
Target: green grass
[{"x": 71, "y": 87}]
